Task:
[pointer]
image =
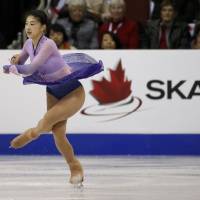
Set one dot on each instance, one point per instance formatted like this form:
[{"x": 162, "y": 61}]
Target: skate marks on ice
[{"x": 106, "y": 178}]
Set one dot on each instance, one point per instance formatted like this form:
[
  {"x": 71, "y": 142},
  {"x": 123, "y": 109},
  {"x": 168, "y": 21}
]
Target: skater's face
[{"x": 34, "y": 28}]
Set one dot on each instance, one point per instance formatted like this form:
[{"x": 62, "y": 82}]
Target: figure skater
[{"x": 60, "y": 74}]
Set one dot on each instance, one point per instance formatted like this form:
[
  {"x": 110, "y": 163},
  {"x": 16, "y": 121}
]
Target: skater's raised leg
[{"x": 62, "y": 110}]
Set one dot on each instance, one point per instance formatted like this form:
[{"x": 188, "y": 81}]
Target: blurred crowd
[{"x": 103, "y": 24}]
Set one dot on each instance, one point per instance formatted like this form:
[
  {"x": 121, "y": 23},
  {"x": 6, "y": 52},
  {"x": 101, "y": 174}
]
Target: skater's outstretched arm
[{"x": 46, "y": 51}]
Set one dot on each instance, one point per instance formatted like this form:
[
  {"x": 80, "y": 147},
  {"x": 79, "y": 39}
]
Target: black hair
[
  {"x": 59, "y": 28},
  {"x": 114, "y": 37},
  {"x": 40, "y": 15}
]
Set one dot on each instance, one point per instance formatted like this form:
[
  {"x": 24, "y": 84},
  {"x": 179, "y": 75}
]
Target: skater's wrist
[{"x": 13, "y": 69}]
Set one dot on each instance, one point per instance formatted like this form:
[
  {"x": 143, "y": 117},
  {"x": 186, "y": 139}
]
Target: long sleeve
[{"x": 48, "y": 48}]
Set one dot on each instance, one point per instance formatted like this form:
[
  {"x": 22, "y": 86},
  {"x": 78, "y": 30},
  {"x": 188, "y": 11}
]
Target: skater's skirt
[{"x": 82, "y": 67}]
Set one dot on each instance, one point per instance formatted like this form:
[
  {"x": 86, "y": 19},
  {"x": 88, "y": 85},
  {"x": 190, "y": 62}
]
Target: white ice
[{"x": 106, "y": 178}]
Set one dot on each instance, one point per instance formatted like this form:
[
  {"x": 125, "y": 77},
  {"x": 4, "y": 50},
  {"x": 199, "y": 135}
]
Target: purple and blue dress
[{"x": 60, "y": 74}]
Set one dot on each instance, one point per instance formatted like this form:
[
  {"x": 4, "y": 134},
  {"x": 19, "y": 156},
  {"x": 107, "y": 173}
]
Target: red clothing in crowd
[{"x": 126, "y": 30}]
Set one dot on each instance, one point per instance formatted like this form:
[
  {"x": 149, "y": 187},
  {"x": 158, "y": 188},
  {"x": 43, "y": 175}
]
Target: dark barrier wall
[
  {"x": 11, "y": 18},
  {"x": 138, "y": 9}
]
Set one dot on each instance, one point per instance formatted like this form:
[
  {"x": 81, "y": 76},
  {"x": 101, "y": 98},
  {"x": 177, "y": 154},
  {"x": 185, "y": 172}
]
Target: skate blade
[
  {"x": 77, "y": 181},
  {"x": 78, "y": 186}
]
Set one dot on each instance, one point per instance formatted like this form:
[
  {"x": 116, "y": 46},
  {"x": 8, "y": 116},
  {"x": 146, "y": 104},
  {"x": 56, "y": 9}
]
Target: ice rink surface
[{"x": 106, "y": 178}]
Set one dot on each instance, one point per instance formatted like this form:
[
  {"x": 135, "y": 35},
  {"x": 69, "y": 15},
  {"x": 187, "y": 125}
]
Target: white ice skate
[
  {"x": 76, "y": 174},
  {"x": 77, "y": 181}
]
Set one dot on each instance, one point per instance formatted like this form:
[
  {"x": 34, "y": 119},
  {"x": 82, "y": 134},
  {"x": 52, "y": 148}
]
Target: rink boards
[{"x": 145, "y": 102}]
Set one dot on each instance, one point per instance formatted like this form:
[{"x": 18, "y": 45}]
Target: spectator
[
  {"x": 57, "y": 33},
  {"x": 166, "y": 32},
  {"x": 125, "y": 29},
  {"x": 82, "y": 32},
  {"x": 187, "y": 10},
  {"x": 196, "y": 39},
  {"x": 57, "y": 9},
  {"x": 110, "y": 41},
  {"x": 98, "y": 10}
]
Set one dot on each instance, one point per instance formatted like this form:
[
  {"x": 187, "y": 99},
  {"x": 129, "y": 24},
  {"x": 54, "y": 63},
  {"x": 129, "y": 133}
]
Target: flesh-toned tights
[{"x": 55, "y": 120}]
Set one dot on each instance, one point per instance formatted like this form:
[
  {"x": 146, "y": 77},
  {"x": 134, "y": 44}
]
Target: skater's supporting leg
[{"x": 66, "y": 150}]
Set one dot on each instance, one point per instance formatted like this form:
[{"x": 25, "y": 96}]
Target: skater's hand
[
  {"x": 14, "y": 60},
  {"x": 6, "y": 69},
  {"x": 13, "y": 69}
]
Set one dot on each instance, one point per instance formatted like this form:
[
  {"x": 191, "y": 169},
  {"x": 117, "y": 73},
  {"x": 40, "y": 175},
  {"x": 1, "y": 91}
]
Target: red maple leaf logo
[{"x": 118, "y": 88}]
